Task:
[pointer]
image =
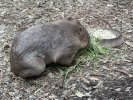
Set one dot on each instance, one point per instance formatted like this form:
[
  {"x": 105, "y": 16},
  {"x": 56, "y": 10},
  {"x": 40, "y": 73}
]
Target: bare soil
[{"x": 110, "y": 79}]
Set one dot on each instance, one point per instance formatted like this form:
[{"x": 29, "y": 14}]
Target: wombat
[{"x": 43, "y": 44}]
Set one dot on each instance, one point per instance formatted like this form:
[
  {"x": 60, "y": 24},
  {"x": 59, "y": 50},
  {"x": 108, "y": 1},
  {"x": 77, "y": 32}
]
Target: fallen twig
[
  {"x": 40, "y": 89},
  {"x": 100, "y": 75},
  {"x": 123, "y": 72},
  {"x": 129, "y": 61},
  {"x": 129, "y": 43},
  {"x": 97, "y": 17}
]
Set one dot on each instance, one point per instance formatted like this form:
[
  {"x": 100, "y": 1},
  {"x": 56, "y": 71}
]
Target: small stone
[
  {"x": 130, "y": 75},
  {"x": 32, "y": 97},
  {"x": 2, "y": 12},
  {"x": 89, "y": 99},
  {"x": 111, "y": 99},
  {"x": 129, "y": 31},
  {"x": 88, "y": 94},
  {"x": 82, "y": 2},
  {"x": 109, "y": 5},
  {"x": 18, "y": 97},
  {"x": 118, "y": 89},
  {"x": 79, "y": 94},
  {"x": 73, "y": 86},
  {"x": 16, "y": 91},
  {"x": 11, "y": 93},
  {"x": 128, "y": 88},
  {"x": 46, "y": 94},
  {"x": 52, "y": 96},
  {"x": 2, "y": 29},
  {"x": 51, "y": 75}
]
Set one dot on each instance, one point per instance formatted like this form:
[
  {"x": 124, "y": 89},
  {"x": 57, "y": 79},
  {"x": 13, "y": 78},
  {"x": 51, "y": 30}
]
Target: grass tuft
[{"x": 91, "y": 53}]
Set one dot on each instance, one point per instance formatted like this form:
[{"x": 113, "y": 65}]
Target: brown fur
[{"x": 40, "y": 45}]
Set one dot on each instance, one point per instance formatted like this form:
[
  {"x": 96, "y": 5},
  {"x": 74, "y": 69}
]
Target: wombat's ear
[{"x": 69, "y": 18}]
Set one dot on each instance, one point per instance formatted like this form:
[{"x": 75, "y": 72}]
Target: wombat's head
[{"x": 81, "y": 35}]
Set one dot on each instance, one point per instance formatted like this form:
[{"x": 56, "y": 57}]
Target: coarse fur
[{"x": 40, "y": 45}]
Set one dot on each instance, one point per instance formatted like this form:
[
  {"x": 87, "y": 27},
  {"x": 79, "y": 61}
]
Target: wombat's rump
[{"x": 39, "y": 45}]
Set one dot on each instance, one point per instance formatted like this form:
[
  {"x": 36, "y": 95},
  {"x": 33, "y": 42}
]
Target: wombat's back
[{"x": 34, "y": 38}]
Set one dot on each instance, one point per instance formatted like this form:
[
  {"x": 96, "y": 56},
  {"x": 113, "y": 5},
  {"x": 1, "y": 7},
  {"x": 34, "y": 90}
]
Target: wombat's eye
[
  {"x": 69, "y": 18},
  {"x": 80, "y": 29}
]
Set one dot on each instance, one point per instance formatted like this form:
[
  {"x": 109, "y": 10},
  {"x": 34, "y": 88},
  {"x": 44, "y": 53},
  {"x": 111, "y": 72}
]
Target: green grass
[{"x": 91, "y": 53}]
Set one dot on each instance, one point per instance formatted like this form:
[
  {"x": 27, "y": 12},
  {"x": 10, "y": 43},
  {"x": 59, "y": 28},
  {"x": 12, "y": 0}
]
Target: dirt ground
[{"x": 110, "y": 79}]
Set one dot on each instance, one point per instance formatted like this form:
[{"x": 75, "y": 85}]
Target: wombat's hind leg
[{"x": 33, "y": 64}]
